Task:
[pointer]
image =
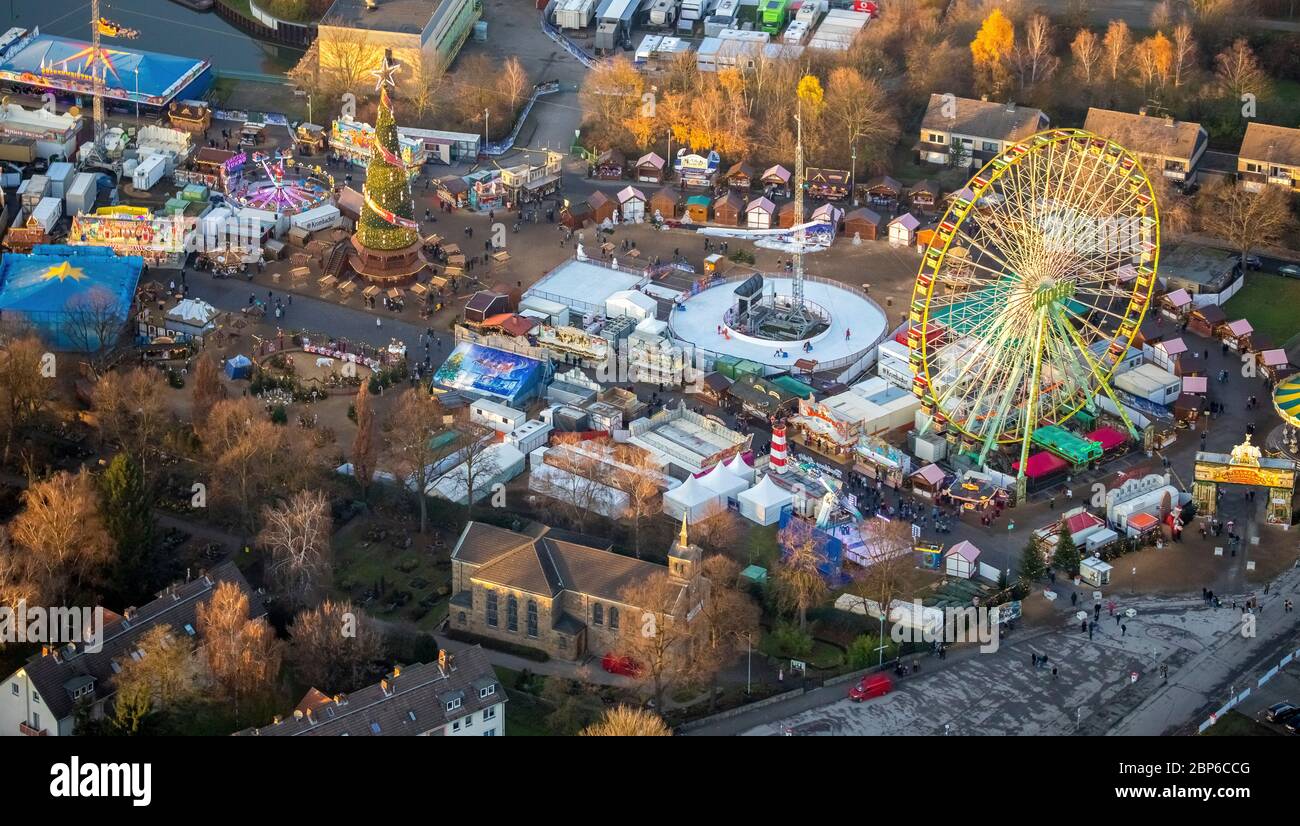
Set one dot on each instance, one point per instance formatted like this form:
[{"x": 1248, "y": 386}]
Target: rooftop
[
  {"x": 1271, "y": 144},
  {"x": 1147, "y": 134},
  {"x": 404, "y": 16},
  {"x": 982, "y": 118}
]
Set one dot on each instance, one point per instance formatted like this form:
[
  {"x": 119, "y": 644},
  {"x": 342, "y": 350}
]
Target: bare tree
[
  {"x": 728, "y": 619},
  {"x": 334, "y": 646},
  {"x": 345, "y": 58},
  {"x": 861, "y": 113},
  {"x": 1244, "y": 219},
  {"x": 250, "y": 458},
  {"x": 92, "y": 323},
  {"x": 583, "y": 478},
  {"x": 208, "y": 390},
  {"x": 297, "y": 536},
  {"x": 1034, "y": 55},
  {"x": 1239, "y": 72},
  {"x": 478, "y": 463},
  {"x": 889, "y": 545},
  {"x": 365, "y": 443},
  {"x": 626, "y": 721},
  {"x": 1087, "y": 50},
  {"x": 1184, "y": 42},
  {"x": 132, "y": 412},
  {"x": 242, "y": 653},
  {"x": 1117, "y": 45},
  {"x": 62, "y": 535},
  {"x": 799, "y": 581},
  {"x": 639, "y": 476},
  {"x": 660, "y": 639},
  {"x": 415, "y": 444},
  {"x": 514, "y": 83},
  {"x": 24, "y": 385}
]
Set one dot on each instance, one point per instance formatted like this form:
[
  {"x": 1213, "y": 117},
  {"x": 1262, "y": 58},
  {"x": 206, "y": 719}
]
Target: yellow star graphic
[{"x": 62, "y": 271}]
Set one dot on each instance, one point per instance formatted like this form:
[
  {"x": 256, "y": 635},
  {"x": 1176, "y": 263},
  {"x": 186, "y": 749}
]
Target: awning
[
  {"x": 1142, "y": 521},
  {"x": 1273, "y": 358},
  {"x": 1109, "y": 437},
  {"x": 1042, "y": 463},
  {"x": 1240, "y": 327}
]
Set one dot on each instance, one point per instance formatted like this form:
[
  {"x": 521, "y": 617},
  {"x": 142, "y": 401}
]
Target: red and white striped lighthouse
[{"x": 777, "y": 457}]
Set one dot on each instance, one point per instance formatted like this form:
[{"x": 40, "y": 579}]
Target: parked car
[
  {"x": 1280, "y": 712},
  {"x": 615, "y": 664},
  {"x": 1289, "y": 270},
  {"x": 872, "y": 685},
  {"x": 1254, "y": 262},
  {"x": 1293, "y": 724}
]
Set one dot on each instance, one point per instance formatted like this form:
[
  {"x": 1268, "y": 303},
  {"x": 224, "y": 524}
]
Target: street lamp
[{"x": 137, "y": 94}]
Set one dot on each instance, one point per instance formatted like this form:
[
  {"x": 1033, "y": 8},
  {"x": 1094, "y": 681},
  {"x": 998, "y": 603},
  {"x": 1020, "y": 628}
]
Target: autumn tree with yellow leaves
[{"x": 991, "y": 52}]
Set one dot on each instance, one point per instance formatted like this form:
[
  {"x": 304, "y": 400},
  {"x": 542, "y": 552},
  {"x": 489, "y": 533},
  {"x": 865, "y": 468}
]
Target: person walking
[
  {"x": 1123, "y": 630},
  {"x": 1054, "y": 672}
]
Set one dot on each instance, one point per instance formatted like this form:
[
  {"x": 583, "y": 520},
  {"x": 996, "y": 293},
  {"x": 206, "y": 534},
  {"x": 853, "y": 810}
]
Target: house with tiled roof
[
  {"x": 41, "y": 698},
  {"x": 560, "y": 592},
  {"x": 457, "y": 696},
  {"x": 967, "y": 132},
  {"x": 1164, "y": 146},
  {"x": 1269, "y": 156}
]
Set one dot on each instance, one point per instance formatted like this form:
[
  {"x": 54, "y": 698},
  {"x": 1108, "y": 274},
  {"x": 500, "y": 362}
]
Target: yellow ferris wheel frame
[{"x": 939, "y": 250}]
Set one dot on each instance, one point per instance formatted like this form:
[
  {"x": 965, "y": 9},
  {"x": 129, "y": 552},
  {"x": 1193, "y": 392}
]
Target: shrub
[{"x": 790, "y": 641}]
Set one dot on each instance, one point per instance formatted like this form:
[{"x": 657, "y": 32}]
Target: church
[{"x": 561, "y": 592}]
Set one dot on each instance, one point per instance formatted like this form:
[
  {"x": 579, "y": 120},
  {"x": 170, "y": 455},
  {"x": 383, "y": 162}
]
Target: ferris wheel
[{"x": 1032, "y": 288}]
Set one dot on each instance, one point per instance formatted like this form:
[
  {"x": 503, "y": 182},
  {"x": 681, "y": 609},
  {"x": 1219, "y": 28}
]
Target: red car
[
  {"x": 872, "y": 685},
  {"x": 615, "y": 664}
]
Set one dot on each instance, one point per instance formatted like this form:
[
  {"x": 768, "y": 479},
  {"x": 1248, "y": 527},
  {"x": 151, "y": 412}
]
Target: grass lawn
[
  {"x": 391, "y": 582},
  {"x": 1236, "y": 724},
  {"x": 1268, "y": 302},
  {"x": 526, "y": 712}
]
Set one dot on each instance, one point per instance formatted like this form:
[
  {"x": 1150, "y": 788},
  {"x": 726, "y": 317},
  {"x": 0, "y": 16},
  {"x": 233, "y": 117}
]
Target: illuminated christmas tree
[{"x": 388, "y": 218}]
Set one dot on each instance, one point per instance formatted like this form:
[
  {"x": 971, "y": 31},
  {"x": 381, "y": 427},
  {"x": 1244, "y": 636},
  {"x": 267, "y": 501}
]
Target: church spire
[{"x": 681, "y": 539}]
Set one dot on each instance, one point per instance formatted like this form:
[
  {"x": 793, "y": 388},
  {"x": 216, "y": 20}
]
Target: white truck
[
  {"x": 696, "y": 9},
  {"x": 149, "y": 172}
]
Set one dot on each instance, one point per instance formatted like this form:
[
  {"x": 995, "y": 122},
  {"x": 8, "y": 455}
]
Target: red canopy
[
  {"x": 1109, "y": 437},
  {"x": 1042, "y": 464}
]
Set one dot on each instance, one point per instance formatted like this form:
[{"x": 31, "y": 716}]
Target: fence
[
  {"x": 496, "y": 149},
  {"x": 1238, "y": 698},
  {"x": 564, "y": 41}
]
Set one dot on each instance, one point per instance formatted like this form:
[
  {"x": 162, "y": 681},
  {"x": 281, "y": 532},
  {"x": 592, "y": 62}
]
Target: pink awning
[
  {"x": 1178, "y": 298},
  {"x": 932, "y": 474},
  {"x": 1042, "y": 464},
  {"x": 1109, "y": 437},
  {"x": 1081, "y": 522},
  {"x": 1240, "y": 327},
  {"x": 1195, "y": 384}
]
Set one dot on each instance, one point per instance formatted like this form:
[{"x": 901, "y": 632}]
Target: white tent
[
  {"x": 723, "y": 482},
  {"x": 740, "y": 468},
  {"x": 693, "y": 499},
  {"x": 764, "y": 502},
  {"x": 497, "y": 464},
  {"x": 632, "y": 303}
]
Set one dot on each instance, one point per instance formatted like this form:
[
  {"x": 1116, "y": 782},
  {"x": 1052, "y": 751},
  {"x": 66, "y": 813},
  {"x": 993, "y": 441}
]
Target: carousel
[{"x": 277, "y": 183}]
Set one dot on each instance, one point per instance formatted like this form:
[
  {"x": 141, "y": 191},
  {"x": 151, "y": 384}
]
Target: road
[{"x": 1094, "y": 692}]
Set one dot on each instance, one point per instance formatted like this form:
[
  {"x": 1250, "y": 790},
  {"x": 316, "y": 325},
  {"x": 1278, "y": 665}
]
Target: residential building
[
  {"x": 41, "y": 697},
  {"x": 1164, "y": 146},
  {"x": 1270, "y": 155},
  {"x": 561, "y": 592},
  {"x": 964, "y": 132},
  {"x": 458, "y": 696}
]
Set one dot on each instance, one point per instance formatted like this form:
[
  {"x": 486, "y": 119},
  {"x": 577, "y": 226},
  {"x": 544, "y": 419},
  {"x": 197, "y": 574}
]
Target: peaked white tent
[
  {"x": 723, "y": 482},
  {"x": 694, "y": 500},
  {"x": 764, "y": 502},
  {"x": 738, "y": 466},
  {"x": 961, "y": 560}
]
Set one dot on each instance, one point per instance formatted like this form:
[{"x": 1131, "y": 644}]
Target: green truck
[{"x": 773, "y": 15}]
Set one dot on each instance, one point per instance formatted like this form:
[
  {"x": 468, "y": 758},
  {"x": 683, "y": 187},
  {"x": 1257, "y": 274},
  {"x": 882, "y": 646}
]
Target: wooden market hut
[
  {"x": 485, "y": 304},
  {"x": 649, "y": 169},
  {"x": 191, "y": 116},
  {"x": 829, "y": 213},
  {"x": 575, "y": 216},
  {"x": 697, "y": 208},
  {"x": 602, "y": 207},
  {"x": 880, "y": 191},
  {"x": 831, "y": 184},
  {"x": 454, "y": 190},
  {"x": 1176, "y": 305},
  {"x": 609, "y": 165},
  {"x": 1236, "y": 334},
  {"x": 902, "y": 230},
  {"x": 760, "y": 213},
  {"x": 727, "y": 210},
  {"x": 785, "y": 215},
  {"x": 776, "y": 178},
  {"x": 664, "y": 202},
  {"x": 862, "y": 222},
  {"x": 1204, "y": 320},
  {"x": 923, "y": 195},
  {"x": 631, "y": 203},
  {"x": 740, "y": 176}
]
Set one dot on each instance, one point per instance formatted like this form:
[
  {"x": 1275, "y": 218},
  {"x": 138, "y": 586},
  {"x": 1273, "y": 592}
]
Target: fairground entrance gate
[{"x": 1245, "y": 466}]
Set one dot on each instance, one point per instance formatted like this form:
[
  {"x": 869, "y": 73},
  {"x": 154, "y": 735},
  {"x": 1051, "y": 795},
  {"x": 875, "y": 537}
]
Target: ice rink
[{"x": 697, "y": 321}]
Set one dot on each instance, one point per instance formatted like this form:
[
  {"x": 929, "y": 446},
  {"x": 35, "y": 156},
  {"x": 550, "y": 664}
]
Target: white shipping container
[
  {"x": 149, "y": 172},
  {"x": 574, "y": 14},
  {"x": 321, "y": 217},
  {"x": 80, "y": 197},
  {"x": 60, "y": 175},
  {"x": 47, "y": 213}
]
